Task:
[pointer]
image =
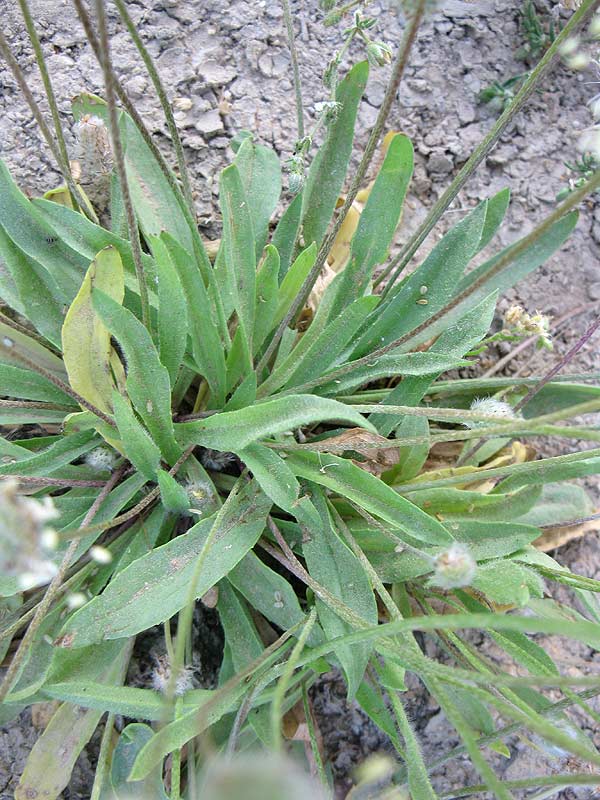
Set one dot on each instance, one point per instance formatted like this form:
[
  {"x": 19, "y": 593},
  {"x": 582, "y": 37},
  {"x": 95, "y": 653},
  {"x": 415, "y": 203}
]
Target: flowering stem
[
  {"x": 115, "y": 135},
  {"x": 103, "y": 757},
  {"x": 284, "y": 681},
  {"x": 21, "y": 80},
  {"x": 289, "y": 24},
  {"x": 199, "y": 251},
  {"x": 374, "y": 137},
  {"x": 569, "y": 355},
  {"x": 397, "y": 265},
  {"x": 523, "y": 345},
  {"x": 164, "y": 101},
  {"x": 50, "y": 96},
  {"x": 184, "y": 624}
]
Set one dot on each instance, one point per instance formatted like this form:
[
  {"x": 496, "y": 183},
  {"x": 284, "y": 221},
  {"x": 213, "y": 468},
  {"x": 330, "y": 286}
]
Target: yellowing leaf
[{"x": 86, "y": 341}]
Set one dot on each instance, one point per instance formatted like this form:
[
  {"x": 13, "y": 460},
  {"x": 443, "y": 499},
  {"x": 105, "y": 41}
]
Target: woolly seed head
[
  {"x": 215, "y": 459},
  {"x": 490, "y": 407},
  {"x": 161, "y": 677},
  {"x": 454, "y": 568},
  {"x": 102, "y": 459}
]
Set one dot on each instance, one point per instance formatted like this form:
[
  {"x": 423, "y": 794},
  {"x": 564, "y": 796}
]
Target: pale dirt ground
[{"x": 229, "y": 59}]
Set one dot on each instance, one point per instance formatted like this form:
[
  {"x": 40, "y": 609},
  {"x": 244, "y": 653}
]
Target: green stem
[
  {"x": 284, "y": 681},
  {"x": 186, "y": 615},
  {"x": 176, "y": 759},
  {"x": 51, "y": 97},
  {"x": 483, "y": 149},
  {"x": 289, "y": 24},
  {"x": 164, "y": 101},
  {"x": 21, "y": 80},
  {"x": 115, "y": 135},
  {"x": 199, "y": 251},
  {"x": 103, "y": 758},
  {"x": 466, "y": 733},
  {"x": 312, "y": 735},
  {"x": 559, "y": 781},
  {"x": 497, "y": 472},
  {"x": 374, "y": 137},
  {"x": 8, "y": 348},
  {"x": 418, "y": 778}
]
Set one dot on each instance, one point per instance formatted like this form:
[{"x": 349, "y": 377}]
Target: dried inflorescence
[
  {"x": 518, "y": 321},
  {"x": 95, "y": 158}
]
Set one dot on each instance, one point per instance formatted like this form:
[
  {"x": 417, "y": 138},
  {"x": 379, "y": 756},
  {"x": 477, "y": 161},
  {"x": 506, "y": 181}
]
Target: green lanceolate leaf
[
  {"x": 245, "y": 646},
  {"x": 35, "y": 237},
  {"x": 131, "y": 741},
  {"x": 51, "y": 761},
  {"x": 346, "y": 479},
  {"x": 172, "y": 312},
  {"x": 390, "y": 364},
  {"x": 127, "y": 700},
  {"x": 497, "y": 207},
  {"x": 523, "y": 264},
  {"x": 33, "y": 292},
  {"x": 286, "y": 232},
  {"x": 137, "y": 443},
  {"x": 275, "y": 478},
  {"x": 267, "y": 288},
  {"x": 53, "y": 457},
  {"x": 239, "y": 249},
  {"x": 328, "y": 169},
  {"x": 309, "y": 360},
  {"x": 334, "y": 566},
  {"x": 30, "y": 385},
  {"x": 557, "y": 503},
  {"x": 148, "y": 383},
  {"x": 174, "y": 497},
  {"x": 457, "y": 340},
  {"x": 268, "y": 592},
  {"x": 410, "y": 458},
  {"x": 235, "y": 430},
  {"x": 85, "y": 338},
  {"x": 69, "y": 730},
  {"x": 429, "y": 287},
  {"x": 260, "y": 172},
  {"x": 293, "y": 280},
  {"x": 87, "y": 238},
  {"x": 155, "y": 587},
  {"x": 15, "y": 344},
  {"x": 377, "y": 224},
  {"x": 206, "y": 345}
]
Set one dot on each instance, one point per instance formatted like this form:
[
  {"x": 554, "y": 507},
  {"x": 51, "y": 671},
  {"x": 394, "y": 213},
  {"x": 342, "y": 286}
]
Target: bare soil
[{"x": 226, "y": 67}]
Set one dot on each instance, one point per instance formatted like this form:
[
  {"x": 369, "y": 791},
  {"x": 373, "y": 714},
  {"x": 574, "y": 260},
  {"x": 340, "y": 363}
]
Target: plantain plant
[{"x": 278, "y": 427}]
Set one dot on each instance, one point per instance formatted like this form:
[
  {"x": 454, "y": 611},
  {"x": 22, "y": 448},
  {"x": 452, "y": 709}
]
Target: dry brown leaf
[{"x": 556, "y": 537}]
